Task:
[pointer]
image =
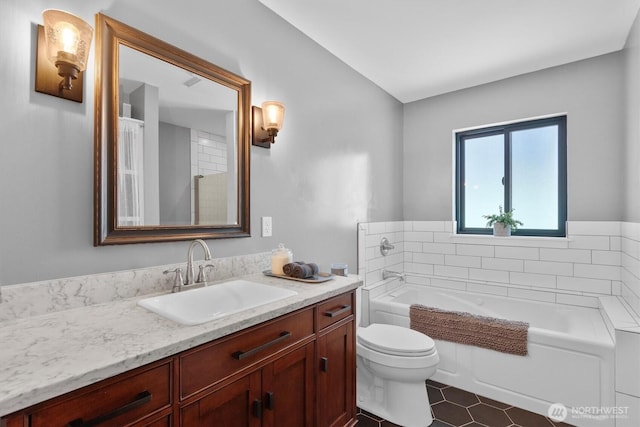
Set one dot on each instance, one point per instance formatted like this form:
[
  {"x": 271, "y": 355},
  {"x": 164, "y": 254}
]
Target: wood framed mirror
[{"x": 172, "y": 142}]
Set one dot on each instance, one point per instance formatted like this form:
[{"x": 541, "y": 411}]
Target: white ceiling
[{"x": 415, "y": 49}]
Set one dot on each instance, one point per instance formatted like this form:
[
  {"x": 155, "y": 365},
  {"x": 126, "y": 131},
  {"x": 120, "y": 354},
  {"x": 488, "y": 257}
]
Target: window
[{"x": 521, "y": 166}]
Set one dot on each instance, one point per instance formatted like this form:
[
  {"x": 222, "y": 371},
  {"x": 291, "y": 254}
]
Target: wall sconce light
[
  {"x": 63, "y": 48},
  {"x": 267, "y": 121}
]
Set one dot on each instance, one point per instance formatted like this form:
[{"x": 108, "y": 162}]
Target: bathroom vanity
[{"x": 290, "y": 363}]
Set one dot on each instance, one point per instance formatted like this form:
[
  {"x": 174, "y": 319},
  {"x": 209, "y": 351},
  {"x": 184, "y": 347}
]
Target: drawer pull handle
[
  {"x": 257, "y": 408},
  {"x": 239, "y": 355},
  {"x": 337, "y": 312},
  {"x": 324, "y": 364},
  {"x": 270, "y": 402},
  {"x": 141, "y": 399}
]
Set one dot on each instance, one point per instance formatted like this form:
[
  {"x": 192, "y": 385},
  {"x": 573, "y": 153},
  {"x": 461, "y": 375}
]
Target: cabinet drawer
[
  {"x": 211, "y": 363},
  {"x": 335, "y": 309},
  {"x": 115, "y": 403}
]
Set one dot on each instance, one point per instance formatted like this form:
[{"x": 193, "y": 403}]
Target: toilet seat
[{"x": 395, "y": 340}]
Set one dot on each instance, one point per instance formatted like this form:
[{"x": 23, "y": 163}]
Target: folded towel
[
  {"x": 300, "y": 270},
  {"x": 288, "y": 268},
  {"x": 507, "y": 336},
  {"x": 314, "y": 268}
]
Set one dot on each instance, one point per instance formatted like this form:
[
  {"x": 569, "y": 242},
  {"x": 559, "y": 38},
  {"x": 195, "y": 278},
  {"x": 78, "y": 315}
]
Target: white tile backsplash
[
  {"x": 482, "y": 288},
  {"x": 596, "y": 258},
  {"x": 458, "y": 285},
  {"x": 418, "y": 236},
  {"x": 590, "y": 242},
  {"x": 612, "y": 257},
  {"x": 475, "y": 250},
  {"x": 413, "y": 246},
  {"x": 609, "y": 272},
  {"x": 416, "y": 268},
  {"x": 503, "y": 264},
  {"x": 581, "y": 300},
  {"x": 428, "y": 258},
  {"x": 439, "y": 248},
  {"x": 565, "y": 255},
  {"x": 548, "y": 267},
  {"x": 463, "y": 261},
  {"x": 533, "y": 279},
  {"x": 451, "y": 271},
  {"x": 582, "y": 284},
  {"x": 516, "y": 252},
  {"x": 532, "y": 295},
  {"x": 489, "y": 275}
]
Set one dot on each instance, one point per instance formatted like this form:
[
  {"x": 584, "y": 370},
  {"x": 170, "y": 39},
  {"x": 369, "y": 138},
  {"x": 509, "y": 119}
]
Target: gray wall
[
  {"x": 144, "y": 106},
  {"x": 174, "y": 155},
  {"x": 337, "y": 160},
  {"x": 590, "y": 92},
  {"x": 632, "y": 124}
]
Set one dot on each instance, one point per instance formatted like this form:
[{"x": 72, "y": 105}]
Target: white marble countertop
[{"x": 51, "y": 354}]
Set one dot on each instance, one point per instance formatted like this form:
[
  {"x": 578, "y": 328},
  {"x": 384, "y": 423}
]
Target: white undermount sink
[{"x": 213, "y": 302}]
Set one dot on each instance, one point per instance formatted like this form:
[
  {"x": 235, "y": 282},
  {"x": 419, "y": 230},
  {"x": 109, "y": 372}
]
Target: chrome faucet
[
  {"x": 190, "y": 270},
  {"x": 388, "y": 274}
]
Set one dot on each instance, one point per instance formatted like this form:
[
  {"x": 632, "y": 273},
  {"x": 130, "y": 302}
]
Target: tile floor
[{"x": 452, "y": 407}]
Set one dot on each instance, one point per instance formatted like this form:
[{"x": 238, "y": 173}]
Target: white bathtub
[{"x": 570, "y": 360}]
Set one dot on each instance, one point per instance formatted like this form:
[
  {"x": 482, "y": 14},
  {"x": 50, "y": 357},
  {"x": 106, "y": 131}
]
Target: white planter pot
[{"x": 501, "y": 230}]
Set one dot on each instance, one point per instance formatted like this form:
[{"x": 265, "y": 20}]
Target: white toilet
[{"x": 393, "y": 364}]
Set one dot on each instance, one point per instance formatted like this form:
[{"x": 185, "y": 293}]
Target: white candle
[{"x": 280, "y": 257}]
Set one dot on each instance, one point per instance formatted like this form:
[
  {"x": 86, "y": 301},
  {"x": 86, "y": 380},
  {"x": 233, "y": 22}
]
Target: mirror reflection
[
  {"x": 172, "y": 142},
  {"x": 176, "y": 145}
]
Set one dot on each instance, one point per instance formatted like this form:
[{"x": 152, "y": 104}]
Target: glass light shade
[
  {"x": 68, "y": 38},
  {"x": 272, "y": 115}
]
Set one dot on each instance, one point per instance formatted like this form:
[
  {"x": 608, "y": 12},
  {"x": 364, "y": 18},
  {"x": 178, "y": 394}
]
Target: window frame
[{"x": 507, "y": 130}]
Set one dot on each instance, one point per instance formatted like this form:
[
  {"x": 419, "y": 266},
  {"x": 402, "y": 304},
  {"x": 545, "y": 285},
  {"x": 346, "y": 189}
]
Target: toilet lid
[{"x": 395, "y": 340}]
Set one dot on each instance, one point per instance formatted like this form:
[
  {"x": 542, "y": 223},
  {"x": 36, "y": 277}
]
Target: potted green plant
[{"x": 503, "y": 222}]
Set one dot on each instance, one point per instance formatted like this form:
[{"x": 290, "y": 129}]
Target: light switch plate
[{"x": 267, "y": 226}]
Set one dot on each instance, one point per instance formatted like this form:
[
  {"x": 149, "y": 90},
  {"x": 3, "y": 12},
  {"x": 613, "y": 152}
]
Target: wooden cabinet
[
  {"x": 207, "y": 365},
  {"x": 295, "y": 370},
  {"x": 230, "y": 406},
  {"x": 278, "y": 394},
  {"x": 141, "y": 397},
  {"x": 336, "y": 358},
  {"x": 288, "y": 389},
  {"x": 263, "y": 376}
]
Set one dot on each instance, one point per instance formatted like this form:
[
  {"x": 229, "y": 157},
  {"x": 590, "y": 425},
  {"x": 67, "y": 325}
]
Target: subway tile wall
[
  {"x": 630, "y": 264},
  {"x": 597, "y": 258},
  {"x": 208, "y": 153}
]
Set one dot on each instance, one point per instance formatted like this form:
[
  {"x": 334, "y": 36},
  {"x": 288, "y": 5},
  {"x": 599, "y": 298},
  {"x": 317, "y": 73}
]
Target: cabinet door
[
  {"x": 235, "y": 405},
  {"x": 288, "y": 389},
  {"x": 336, "y": 377}
]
